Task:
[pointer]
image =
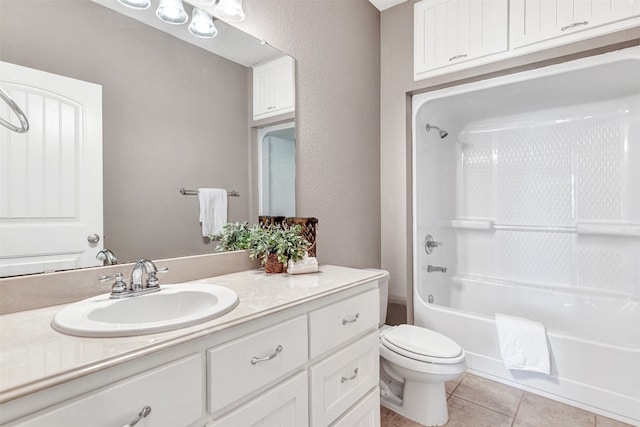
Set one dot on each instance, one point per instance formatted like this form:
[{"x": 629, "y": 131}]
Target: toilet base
[{"x": 428, "y": 405}]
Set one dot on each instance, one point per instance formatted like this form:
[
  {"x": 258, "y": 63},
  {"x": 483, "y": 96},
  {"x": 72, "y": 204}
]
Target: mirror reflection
[{"x": 169, "y": 114}]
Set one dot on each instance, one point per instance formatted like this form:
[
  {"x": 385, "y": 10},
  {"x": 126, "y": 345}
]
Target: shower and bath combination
[{"x": 443, "y": 133}]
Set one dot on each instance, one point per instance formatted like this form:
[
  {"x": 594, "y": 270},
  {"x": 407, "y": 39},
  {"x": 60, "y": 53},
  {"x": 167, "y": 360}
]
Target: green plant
[
  {"x": 286, "y": 244},
  {"x": 233, "y": 237}
]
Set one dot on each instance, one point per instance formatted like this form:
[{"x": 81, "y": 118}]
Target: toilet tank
[{"x": 383, "y": 285}]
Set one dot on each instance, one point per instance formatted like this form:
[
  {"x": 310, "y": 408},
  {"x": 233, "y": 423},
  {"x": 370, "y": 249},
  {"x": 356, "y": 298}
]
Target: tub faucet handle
[{"x": 430, "y": 244}]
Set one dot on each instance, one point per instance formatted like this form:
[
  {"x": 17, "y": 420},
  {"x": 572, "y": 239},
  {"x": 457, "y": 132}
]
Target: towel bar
[{"x": 230, "y": 193}]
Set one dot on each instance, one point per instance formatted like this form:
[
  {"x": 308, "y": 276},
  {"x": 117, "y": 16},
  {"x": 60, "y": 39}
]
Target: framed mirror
[{"x": 174, "y": 115}]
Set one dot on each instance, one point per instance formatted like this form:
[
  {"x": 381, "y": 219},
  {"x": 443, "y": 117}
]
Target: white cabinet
[
  {"x": 452, "y": 35},
  {"x": 313, "y": 363},
  {"x": 285, "y": 405},
  {"x": 448, "y": 32},
  {"x": 172, "y": 391},
  {"x": 365, "y": 413},
  {"x": 274, "y": 88},
  {"x": 533, "y": 22},
  {"x": 343, "y": 378},
  {"x": 246, "y": 364}
]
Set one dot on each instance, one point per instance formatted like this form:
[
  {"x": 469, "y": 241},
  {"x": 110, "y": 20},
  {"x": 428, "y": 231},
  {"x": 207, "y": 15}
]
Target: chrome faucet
[
  {"x": 432, "y": 268},
  {"x": 136, "y": 287},
  {"x": 142, "y": 266},
  {"x": 107, "y": 257}
]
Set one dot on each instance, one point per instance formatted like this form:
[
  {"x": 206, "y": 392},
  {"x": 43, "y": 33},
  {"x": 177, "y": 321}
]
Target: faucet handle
[
  {"x": 118, "y": 286},
  {"x": 152, "y": 280}
]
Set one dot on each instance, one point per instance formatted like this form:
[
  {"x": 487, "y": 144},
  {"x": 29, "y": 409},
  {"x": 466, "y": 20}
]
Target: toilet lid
[{"x": 421, "y": 344}]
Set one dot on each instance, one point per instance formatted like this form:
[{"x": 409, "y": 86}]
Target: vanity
[{"x": 298, "y": 350}]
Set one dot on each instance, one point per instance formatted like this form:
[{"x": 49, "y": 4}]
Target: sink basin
[{"x": 173, "y": 307}]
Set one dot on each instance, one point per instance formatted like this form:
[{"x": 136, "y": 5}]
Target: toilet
[{"x": 415, "y": 363}]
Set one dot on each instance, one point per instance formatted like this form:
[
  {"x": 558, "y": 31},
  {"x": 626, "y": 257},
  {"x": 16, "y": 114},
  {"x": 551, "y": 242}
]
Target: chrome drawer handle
[
  {"x": 355, "y": 318},
  {"x": 145, "y": 411},
  {"x": 351, "y": 378},
  {"x": 464, "y": 55},
  {"x": 256, "y": 360},
  {"x": 575, "y": 24}
]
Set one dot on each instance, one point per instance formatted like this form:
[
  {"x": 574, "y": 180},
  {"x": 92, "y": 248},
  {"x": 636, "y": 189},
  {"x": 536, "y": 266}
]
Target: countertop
[{"x": 34, "y": 356}]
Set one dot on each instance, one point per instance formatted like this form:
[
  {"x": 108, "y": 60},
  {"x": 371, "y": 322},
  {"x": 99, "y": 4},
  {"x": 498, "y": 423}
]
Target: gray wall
[
  {"x": 337, "y": 47},
  {"x": 174, "y": 116},
  {"x": 397, "y": 85}
]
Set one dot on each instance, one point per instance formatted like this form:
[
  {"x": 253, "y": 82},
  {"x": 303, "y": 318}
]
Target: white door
[{"x": 50, "y": 176}]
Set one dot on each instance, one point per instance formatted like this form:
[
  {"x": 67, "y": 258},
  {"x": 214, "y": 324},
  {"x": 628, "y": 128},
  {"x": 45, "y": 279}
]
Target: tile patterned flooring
[{"x": 478, "y": 402}]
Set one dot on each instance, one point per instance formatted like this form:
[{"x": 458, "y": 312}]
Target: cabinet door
[
  {"x": 365, "y": 413},
  {"x": 342, "y": 379},
  {"x": 285, "y": 405},
  {"x": 451, "y": 31},
  {"x": 274, "y": 88},
  {"x": 172, "y": 391},
  {"x": 535, "y": 21}
]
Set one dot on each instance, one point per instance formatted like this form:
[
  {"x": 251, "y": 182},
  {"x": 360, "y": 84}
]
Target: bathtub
[{"x": 533, "y": 202}]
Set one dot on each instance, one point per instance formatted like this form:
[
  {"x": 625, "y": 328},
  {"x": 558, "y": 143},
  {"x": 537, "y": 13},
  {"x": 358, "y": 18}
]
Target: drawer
[
  {"x": 173, "y": 391},
  {"x": 344, "y": 378},
  {"x": 286, "y": 404},
  {"x": 365, "y": 413},
  {"x": 338, "y": 323},
  {"x": 244, "y": 365}
]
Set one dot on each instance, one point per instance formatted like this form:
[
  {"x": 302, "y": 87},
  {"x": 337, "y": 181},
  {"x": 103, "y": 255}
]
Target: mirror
[{"x": 174, "y": 114}]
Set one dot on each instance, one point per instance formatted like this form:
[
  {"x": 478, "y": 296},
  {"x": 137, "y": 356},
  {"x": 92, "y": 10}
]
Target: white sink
[{"x": 173, "y": 307}]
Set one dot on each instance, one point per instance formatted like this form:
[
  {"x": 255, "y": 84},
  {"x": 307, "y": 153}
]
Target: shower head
[{"x": 443, "y": 133}]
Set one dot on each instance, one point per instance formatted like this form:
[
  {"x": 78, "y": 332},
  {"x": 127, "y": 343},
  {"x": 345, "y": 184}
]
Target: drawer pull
[
  {"x": 145, "y": 411},
  {"x": 351, "y": 378},
  {"x": 355, "y": 318},
  {"x": 575, "y": 24},
  {"x": 256, "y": 360},
  {"x": 464, "y": 55}
]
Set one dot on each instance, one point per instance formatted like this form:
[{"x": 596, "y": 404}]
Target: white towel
[
  {"x": 213, "y": 209},
  {"x": 306, "y": 265},
  {"x": 523, "y": 344}
]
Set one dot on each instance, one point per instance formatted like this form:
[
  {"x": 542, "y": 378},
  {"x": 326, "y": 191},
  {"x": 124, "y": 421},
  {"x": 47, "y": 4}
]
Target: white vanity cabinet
[
  {"x": 311, "y": 363},
  {"x": 173, "y": 392},
  {"x": 449, "y": 32},
  {"x": 274, "y": 88},
  {"x": 535, "y": 22}
]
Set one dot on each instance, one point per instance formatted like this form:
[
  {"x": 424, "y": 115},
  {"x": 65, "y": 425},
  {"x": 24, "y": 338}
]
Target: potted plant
[
  {"x": 233, "y": 237},
  {"x": 274, "y": 246}
]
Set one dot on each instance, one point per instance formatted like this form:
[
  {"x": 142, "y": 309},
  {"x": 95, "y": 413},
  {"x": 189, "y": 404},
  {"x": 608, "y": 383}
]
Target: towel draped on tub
[{"x": 523, "y": 344}]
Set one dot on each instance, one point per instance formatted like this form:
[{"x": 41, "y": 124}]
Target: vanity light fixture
[
  {"x": 230, "y": 10},
  {"x": 202, "y": 24},
  {"x": 136, "y": 4},
  {"x": 172, "y": 12}
]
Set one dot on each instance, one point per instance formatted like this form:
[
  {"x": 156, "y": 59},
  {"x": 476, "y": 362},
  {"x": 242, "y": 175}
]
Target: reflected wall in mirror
[{"x": 173, "y": 115}]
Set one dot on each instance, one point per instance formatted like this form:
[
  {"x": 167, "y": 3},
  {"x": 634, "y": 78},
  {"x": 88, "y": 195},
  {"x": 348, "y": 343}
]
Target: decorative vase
[{"x": 272, "y": 265}]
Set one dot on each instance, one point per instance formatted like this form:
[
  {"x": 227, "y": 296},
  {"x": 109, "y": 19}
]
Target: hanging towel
[
  {"x": 213, "y": 209},
  {"x": 523, "y": 344}
]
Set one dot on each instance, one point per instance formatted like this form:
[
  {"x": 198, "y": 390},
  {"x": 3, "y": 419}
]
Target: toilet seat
[{"x": 422, "y": 344}]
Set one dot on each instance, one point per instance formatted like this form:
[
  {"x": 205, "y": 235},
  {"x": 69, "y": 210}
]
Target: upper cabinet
[
  {"x": 453, "y": 31},
  {"x": 451, "y": 35},
  {"x": 537, "y": 21},
  {"x": 274, "y": 88}
]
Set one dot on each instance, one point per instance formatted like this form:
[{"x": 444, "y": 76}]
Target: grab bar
[
  {"x": 184, "y": 192},
  {"x": 24, "y": 122}
]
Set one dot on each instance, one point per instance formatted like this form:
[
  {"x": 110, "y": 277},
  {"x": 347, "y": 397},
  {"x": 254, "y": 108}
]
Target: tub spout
[{"x": 432, "y": 268}]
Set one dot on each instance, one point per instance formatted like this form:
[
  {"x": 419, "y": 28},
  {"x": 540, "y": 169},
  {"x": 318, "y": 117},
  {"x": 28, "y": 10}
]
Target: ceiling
[{"x": 385, "y": 4}]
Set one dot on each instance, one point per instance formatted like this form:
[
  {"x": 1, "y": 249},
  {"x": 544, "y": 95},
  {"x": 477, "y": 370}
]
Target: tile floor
[{"x": 478, "y": 402}]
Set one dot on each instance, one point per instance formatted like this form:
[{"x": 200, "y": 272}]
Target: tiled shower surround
[{"x": 535, "y": 195}]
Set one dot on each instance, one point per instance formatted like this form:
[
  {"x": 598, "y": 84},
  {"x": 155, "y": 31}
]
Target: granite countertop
[{"x": 34, "y": 356}]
